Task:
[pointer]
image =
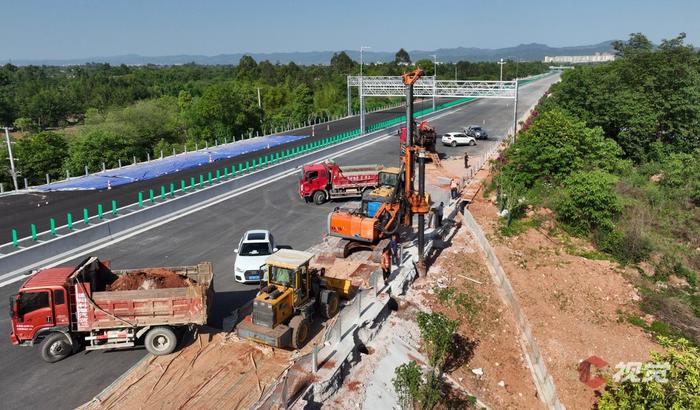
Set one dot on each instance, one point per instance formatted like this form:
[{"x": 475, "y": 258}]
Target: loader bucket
[{"x": 279, "y": 336}]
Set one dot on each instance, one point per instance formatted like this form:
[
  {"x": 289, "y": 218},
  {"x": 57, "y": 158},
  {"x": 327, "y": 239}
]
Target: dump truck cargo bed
[{"x": 147, "y": 307}]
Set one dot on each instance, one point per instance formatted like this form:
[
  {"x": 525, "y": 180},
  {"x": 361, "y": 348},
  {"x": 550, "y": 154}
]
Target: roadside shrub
[
  {"x": 438, "y": 333},
  {"x": 414, "y": 390},
  {"x": 678, "y": 391},
  {"x": 588, "y": 202},
  {"x": 626, "y": 247},
  {"x": 407, "y": 382}
]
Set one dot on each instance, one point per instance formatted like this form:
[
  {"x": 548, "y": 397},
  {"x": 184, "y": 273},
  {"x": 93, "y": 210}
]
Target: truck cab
[
  {"x": 314, "y": 178},
  {"x": 41, "y": 306}
]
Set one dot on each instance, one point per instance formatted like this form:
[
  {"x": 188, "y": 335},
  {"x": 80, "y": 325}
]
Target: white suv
[
  {"x": 255, "y": 246},
  {"x": 457, "y": 138}
]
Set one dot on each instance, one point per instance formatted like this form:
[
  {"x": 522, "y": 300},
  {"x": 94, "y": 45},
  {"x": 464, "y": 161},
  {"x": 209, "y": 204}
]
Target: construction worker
[
  {"x": 466, "y": 160},
  {"x": 386, "y": 264},
  {"x": 454, "y": 188},
  {"x": 438, "y": 214},
  {"x": 394, "y": 247}
]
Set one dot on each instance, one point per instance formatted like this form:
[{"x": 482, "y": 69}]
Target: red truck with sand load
[
  {"x": 65, "y": 308},
  {"x": 327, "y": 180}
]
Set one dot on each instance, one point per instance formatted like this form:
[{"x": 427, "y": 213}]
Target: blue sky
[{"x": 33, "y": 29}]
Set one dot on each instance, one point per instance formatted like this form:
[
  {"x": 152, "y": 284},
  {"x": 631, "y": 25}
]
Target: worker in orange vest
[{"x": 386, "y": 265}]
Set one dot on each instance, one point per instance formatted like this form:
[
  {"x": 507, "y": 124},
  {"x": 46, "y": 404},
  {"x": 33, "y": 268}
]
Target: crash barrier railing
[{"x": 111, "y": 209}]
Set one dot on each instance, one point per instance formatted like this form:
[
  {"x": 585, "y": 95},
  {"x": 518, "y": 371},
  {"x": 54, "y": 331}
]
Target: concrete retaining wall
[{"x": 543, "y": 381}]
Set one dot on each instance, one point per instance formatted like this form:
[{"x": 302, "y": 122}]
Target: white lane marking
[{"x": 91, "y": 247}]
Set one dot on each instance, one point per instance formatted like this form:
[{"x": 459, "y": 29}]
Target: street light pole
[
  {"x": 434, "y": 78},
  {"x": 13, "y": 172},
  {"x": 501, "y": 64},
  {"x": 362, "y": 95}
]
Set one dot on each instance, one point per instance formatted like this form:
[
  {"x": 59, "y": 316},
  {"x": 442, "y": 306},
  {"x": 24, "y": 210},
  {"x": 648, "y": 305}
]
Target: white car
[
  {"x": 457, "y": 138},
  {"x": 253, "y": 249}
]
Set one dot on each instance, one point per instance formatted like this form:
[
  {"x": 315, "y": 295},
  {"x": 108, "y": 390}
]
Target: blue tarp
[{"x": 156, "y": 168}]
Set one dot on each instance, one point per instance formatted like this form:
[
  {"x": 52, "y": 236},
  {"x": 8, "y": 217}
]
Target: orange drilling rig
[{"x": 393, "y": 203}]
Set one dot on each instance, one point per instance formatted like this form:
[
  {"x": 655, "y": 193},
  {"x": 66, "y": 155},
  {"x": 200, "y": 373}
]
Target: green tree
[
  {"x": 588, "y": 202},
  {"x": 94, "y": 146},
  {"x": 402, "y": 57},
  {"x": 556, "y": 145},
  {"x": 41, "y": 154},
  {"x": 341, "y": 62},
  {"x": 225, "y": 110}
]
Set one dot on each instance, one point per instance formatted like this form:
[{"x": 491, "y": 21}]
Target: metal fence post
[{"x": 359, "y": 306}]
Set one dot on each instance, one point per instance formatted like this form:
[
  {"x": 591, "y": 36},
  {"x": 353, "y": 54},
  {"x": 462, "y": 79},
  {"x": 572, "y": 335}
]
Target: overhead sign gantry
[{"x": 389, "y": 86}]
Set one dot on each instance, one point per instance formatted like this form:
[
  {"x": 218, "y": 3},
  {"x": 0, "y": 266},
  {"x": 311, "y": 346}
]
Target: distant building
[{"x": 596, "y": 58}]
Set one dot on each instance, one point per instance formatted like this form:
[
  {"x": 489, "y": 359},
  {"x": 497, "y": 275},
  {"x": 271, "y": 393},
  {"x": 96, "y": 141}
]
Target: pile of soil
[{"x": 157, "y": 278}]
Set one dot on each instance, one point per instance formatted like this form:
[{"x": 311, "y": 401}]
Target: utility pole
[
  {"x": 13, "y": 172},
  {"x": 501, "y": 64},
  {"x": 362, "y": 94}
]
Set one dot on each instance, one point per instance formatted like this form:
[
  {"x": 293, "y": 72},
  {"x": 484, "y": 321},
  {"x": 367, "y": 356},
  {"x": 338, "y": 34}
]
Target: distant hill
[{"x": 525, "y": 52}]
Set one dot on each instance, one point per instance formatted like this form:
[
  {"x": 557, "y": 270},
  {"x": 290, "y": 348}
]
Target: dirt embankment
[
  {"x": 573, "y": 304},
  {"x": 156, "y": 278}
]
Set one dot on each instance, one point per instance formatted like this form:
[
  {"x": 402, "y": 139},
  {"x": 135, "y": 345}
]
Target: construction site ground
[
  {"x": 574, "y": 306},
  {"x": 214, "y": 368}
]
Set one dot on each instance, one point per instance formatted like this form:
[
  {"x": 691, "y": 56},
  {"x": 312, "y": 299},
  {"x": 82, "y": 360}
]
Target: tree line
[{"x": 77, "y": 116}]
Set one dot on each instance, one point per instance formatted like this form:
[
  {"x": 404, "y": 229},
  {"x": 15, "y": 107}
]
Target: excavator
[{"x": 391, "y": 205}]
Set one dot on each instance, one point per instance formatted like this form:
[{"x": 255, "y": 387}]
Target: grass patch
[{"x": 520, "y": 225}]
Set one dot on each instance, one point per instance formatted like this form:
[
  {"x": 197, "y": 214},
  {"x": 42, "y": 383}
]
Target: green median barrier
[
  {"x": 33, "y": 229},
  {"x": 99, "y": 211},
  {"x": 85, "y": 216},
  {"x": 218, "y": 176},
  {"x": 201, "y": 180},
  {"x": 225, "y": 172},
  {"x": 253, "y": 164},
  {"x": 15, "y": 243},
  {"x": 151, "y": 197},
  {"x": 209, "y": 178},
  {"x": 162, "y": 192},
  {"x": 52, "y": 224},
  {"x": 183, "y": 186},
  {"x": 69, "y": 221},
  {"x": 192, "y": 183},
  {"x": 114, "y": 207}
]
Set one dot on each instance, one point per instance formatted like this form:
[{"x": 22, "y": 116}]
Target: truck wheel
[
  {"x": 454, "y": 144},
  {"x": 330, "y": 308},
  {"x": 472, "y": 143},
  {"x": 300, "y": 331},
  {"x": 160, "y": 341},
  {"x": 319, "y": 197},
  {"x": 55, "y": 347}
]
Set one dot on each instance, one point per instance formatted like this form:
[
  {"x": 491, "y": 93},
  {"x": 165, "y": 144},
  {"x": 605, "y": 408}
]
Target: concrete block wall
[{"x": 543, "y": 380}]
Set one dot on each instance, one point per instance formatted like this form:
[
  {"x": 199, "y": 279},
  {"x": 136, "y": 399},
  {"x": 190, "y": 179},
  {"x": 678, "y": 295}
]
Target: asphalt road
[
  {"x": 211, "y": 234},
  {"x": 21, "y": 210}
]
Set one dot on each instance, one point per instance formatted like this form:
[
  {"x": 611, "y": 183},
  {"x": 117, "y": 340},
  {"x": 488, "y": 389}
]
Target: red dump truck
[
  {"x": 64, "y": 308},
  {"x": 327, "y": 180}
]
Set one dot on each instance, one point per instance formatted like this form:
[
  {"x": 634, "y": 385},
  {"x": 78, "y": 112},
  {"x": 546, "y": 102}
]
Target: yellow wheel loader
[{"x": 283, "y": 309}]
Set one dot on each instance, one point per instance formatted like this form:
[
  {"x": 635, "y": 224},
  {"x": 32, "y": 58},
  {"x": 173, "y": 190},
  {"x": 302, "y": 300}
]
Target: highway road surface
[
  {"x": 21, "y": 210},
  {"x": 211, "y": 235}
]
